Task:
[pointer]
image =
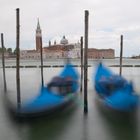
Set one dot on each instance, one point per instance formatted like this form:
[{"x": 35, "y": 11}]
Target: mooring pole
[
  {"x": 41, "y": 55},
  {"x": 3, "y": 62},
  {"x": 81, "y": 88},
  {"x": 86, "y": 63},
  {"x": 18, "y": 58},
  {"x": 121, "y": 53}
]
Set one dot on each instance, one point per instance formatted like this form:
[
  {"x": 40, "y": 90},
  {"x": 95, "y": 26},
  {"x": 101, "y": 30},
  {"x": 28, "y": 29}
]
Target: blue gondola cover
[{"x": 115, "y": 91}]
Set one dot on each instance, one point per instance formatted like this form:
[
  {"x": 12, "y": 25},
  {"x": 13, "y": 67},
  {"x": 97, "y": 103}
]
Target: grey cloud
[{"x": 108, "y": 19}]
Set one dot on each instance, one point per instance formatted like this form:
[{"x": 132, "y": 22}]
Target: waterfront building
[
  {"x": 53, "y": 51},
  {"x": 106, "y": 53},
  {"x": 29, "y": 54},
  {"x": 76, "y": 51},
  {"x": 64, "y": 49},
  {"x": 101, "y": 53},
  {"x": 33, "y": 54}
]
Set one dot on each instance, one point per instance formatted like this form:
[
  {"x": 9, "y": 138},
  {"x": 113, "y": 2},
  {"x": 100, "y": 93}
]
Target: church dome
[{"x": 64, "y": 41}]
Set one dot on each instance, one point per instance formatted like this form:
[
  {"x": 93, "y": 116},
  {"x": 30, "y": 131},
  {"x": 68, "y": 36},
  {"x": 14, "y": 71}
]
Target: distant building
[
  {"x": 53, "y": 51},
  {"x": 106, "y": 53},
  {"x": 76, "y": 51},
  {"x": 63, "y": 50},
  {"x": 29, "y": 54},
  {"x": 101, "y": 53},
  {"x": 33, "y": 54}
]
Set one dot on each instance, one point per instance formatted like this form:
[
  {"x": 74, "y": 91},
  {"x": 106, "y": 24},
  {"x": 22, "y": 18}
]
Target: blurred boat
[
  {"x": 58, "y": 93},
  {"x": 114, "y": 91}
]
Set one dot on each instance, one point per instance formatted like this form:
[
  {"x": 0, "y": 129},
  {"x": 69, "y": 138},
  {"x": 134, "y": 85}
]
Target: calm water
[
  {"x": 69, "y": 124},
  {"x": 76, "y": 61}
]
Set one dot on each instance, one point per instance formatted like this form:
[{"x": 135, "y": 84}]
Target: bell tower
[{"x": 38, "y": 37}]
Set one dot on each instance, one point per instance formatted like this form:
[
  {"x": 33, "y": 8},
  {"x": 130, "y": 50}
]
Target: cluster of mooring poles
[
  {"x": 18, "y": 60},
  {"x": 84, "y": 60}
]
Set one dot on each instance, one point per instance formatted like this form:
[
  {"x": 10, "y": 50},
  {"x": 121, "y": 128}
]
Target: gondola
[
  {"x": 113, "y": 91},
  {"x": 57, "y": 94}
]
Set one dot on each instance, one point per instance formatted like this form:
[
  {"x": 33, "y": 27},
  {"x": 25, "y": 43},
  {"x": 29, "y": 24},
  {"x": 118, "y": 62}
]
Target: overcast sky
[{"x": 108, "y": 19}]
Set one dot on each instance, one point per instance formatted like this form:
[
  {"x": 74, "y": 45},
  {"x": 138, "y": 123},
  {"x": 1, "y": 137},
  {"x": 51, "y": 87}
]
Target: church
[{"x": 63, "y": 49}]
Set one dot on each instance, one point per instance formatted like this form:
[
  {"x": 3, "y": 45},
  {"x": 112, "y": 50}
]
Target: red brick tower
[{"x": 38, "y": 37}]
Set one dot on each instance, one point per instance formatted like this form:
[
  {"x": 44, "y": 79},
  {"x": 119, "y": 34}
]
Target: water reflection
[
  {"x": 120, "y": 126},
  {"x": 52, "y": 127},
  {"x": 85, "y": 134},
  {"x": 71, "y": 124}
]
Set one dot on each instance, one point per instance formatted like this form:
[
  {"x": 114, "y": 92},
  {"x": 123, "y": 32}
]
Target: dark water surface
[{"x": 69, "y": 124}]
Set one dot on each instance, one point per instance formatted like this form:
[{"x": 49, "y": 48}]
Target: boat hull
[
  {"x": 49, "y": 101},
  {"x": 47, "y": 110},
  {"x": 114, "y": 92}
]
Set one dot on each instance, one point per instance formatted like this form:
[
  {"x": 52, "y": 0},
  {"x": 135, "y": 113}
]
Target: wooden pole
[
  {"x": 121, "y": 53},
  {"x": 86, "y": 63},
  {"x": 18, "y": 58},
  {"x": 81, "y": 88},
  {"x": 3, "y": 62},
  {"x": 41, "y": 55}
]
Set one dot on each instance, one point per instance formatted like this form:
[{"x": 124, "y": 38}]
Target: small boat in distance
[
  {"x": 58, "y": 93},
  {"x": 114, "y": 91}
]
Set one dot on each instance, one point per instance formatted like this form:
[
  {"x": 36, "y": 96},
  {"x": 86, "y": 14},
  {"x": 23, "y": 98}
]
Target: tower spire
[{"x": 38, "y": 24}]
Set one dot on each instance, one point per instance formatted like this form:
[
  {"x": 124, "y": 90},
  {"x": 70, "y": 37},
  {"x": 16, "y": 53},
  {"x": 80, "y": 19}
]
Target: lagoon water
[{"x": 69, "y": 124}]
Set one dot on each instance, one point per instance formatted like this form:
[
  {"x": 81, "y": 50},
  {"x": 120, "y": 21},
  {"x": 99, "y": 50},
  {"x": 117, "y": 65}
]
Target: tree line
[{"x": 8, "y": 50}]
